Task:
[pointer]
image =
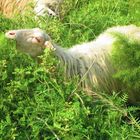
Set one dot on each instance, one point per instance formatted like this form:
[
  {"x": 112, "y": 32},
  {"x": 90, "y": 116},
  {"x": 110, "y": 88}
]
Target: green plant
[
  {"x": 36, "y": 100},
  {"x": 126, "y": 58}
]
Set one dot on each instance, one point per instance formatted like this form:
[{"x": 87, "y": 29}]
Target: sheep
[
  {"x": 10, "y": 8},
  {"x": 47, "y": 6},
  {"x": 90, "y": 60}
]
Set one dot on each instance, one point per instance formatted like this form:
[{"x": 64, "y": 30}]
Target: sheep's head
[{"x": 30, "y": 41}]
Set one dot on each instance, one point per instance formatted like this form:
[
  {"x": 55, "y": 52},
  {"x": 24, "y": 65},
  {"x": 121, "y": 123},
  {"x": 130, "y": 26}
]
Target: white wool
[
  {"x": 45, "y": 6},
  {"x": 94, "y": 57}
]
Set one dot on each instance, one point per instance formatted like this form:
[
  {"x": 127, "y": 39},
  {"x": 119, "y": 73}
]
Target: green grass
[{"x": 37, "y": 102}]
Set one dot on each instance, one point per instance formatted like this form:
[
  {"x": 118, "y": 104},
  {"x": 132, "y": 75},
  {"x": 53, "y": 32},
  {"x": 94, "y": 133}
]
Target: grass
[{"x": 36, "y": 101}]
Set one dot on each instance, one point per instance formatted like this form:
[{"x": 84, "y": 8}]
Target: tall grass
[
  {"x": 38, "y": 103},
  {"x": 11, "y": 8}
]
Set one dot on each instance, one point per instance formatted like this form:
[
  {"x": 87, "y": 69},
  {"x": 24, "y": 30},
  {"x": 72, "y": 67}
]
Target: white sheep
[
  {"x": 90, "y": 60},
  {"x": 51, "y": 7}
]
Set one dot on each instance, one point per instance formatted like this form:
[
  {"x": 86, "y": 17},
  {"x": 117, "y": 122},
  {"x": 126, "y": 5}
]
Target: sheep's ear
[
  {"x": 49, "y": 45},
  {"x": 11, "y": 34}
]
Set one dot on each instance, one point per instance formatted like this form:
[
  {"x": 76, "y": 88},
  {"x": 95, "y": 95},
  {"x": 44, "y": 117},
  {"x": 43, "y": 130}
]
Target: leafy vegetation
[
  {"x": 126, "y": 58},
  {"x": 37, "y": 102}
]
